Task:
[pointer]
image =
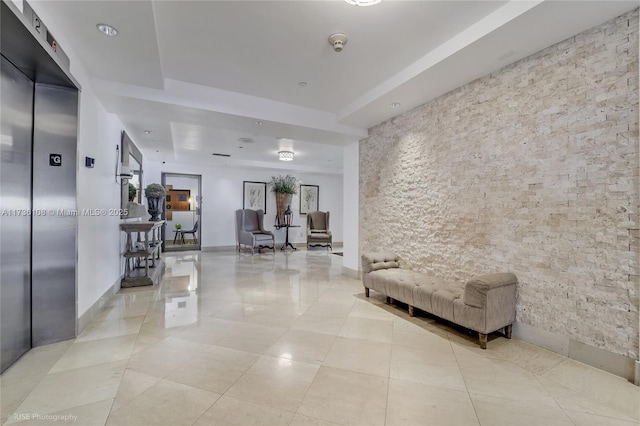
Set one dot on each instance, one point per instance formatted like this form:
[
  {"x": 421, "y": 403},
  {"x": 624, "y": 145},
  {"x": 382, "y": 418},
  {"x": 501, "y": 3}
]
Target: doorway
[{"x": 182, "y": 212}]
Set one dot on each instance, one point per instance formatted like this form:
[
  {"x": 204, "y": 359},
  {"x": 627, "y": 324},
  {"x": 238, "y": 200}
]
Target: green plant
[
  {"x": 284, "y": 184},
  {"x": 178, "y": 226},
  {"x": 154, "y": 190},
  {"x": 132, "y": 191}
]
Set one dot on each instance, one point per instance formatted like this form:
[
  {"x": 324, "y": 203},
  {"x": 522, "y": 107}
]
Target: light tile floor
[{"x": 285, "y": 339}]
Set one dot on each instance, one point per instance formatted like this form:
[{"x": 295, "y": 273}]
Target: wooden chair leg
[
  {"x": 508, "y": 330},
  {"x": 483, "y": 340},
  {"x": 411, "y": 312}
]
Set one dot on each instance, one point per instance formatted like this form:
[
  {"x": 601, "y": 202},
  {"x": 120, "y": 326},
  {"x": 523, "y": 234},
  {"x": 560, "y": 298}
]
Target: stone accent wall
[{"x": 532, "y": 169}]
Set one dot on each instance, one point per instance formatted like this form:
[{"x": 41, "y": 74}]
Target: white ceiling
[{"x": 201, "y": 74}]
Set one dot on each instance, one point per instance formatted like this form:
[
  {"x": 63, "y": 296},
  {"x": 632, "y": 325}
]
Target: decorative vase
[
  {"x": 282, "y": 202},
  {"x": 155, "y": 208}
]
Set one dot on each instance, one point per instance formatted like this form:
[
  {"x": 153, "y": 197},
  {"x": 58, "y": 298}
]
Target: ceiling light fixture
[
  {"x": 148, "y": 132},
  {"x": 107, "y": 30},
  {"x": 302, "y": 84},
  {"x": 395, "y": 105},
  {"x": 258, "y": 123},
  {"x": 285, "y": 155},
  {"x": 246, "y": 140},
  {"x": 363, "y": 2}
]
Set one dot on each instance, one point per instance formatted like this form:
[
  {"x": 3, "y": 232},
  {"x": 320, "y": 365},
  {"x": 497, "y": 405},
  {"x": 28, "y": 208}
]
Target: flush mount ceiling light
[
  {"x": 363, "y": 2},
  {"x": 148, "y": 132},
  {"x": 395, "y": 105},
  {"x": 258, "y": 123},
  {"x": 246, "y": 140},
  {"x": 285, "y": 155},
  {"x": 107, "y": 30}
]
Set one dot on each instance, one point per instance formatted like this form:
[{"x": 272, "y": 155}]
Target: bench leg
[
  {"x": 483, "y": 340},
  {"x": 366, "y": 292},
  {"x": 389, "y": 300},
  {"x": 507, "y": 331},
  {"x": 411, "y": 313}
]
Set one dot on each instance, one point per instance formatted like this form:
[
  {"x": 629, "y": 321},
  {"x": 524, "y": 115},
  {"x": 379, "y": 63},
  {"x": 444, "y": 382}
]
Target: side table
[{"x": 286, "y": 241}]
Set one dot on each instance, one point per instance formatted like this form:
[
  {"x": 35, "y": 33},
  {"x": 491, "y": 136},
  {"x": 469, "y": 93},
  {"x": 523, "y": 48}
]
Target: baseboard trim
[
  {"x": 85, "y": 319},
  {"x": 219, "y": 248},
  {"x": 302, "y": 245},
  {"x": 619, "y": 365},
  {"x": 351, "y": 273}
]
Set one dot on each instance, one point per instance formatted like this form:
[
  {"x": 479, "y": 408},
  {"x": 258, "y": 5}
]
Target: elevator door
[{"x": 16, "y": 116}]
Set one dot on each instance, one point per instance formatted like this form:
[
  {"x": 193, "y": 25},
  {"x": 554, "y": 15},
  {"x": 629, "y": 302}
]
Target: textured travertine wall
[{"x": 532, "y": 169}]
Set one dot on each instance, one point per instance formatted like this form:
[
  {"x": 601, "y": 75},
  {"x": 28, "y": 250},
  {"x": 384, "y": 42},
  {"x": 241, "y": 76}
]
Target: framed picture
[
  {"x": 254, "y": 195},
  {"x": 309, "y": 196}
]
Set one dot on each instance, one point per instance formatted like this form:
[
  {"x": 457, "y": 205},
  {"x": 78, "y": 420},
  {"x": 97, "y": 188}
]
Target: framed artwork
[
  {"x": 254, "y": 195},
  {"x": 309, "y": 196}
]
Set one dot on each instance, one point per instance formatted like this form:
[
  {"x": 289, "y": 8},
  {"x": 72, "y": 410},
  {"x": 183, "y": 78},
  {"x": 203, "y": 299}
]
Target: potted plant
[
  {"x": 155, "y": 193},
  {"x": 285, "y": 187},
  {"x": 178, "y": 226}
]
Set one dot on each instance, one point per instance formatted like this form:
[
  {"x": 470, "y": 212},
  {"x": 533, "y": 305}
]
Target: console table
[{"x": 142, "y": 246}]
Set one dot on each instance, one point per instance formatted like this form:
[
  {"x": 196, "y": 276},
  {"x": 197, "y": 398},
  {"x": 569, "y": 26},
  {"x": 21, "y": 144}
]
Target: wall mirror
[{"x": 131, "y": 159}]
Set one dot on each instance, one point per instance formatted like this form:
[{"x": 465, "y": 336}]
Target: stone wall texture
[{"x": 533, "y": 169}]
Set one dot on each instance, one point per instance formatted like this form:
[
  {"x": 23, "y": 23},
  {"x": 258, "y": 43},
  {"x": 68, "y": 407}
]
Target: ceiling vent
[{"x": 217, "y": 154}]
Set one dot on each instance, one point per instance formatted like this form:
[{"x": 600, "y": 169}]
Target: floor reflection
[{"x": 285, "y": 338}]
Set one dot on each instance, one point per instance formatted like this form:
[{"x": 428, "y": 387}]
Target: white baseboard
[
  {"x": 90, "y": 314},
  {"x": 619, "y": 365}
]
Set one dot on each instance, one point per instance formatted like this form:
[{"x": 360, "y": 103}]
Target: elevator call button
[{"x": 55, "y": 160}]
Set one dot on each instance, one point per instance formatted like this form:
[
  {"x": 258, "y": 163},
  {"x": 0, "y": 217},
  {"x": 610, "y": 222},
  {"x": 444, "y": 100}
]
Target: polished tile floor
[{"x": 285, "y": 339}]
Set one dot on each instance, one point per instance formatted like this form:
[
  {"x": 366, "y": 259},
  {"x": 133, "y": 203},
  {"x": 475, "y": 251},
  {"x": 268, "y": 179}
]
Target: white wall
[
  {"x": 222, "y": 196},
  {"x": 98, "y": 135},
  {"x": 351, "y": 168}
]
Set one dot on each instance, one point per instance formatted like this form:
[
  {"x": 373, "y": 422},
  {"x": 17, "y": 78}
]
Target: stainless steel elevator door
[{"x": 16, "y": 116}]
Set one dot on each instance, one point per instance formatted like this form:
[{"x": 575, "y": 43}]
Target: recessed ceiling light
[
  {"x": 302, "y": 84},
  {"x": 395, "y": 104},
  {"x": 258, "y": 123},
  {"x": 363, "y": 2},
  {"x": 148, "y": 132},
  {"x": 157, "y": 150},
  {"x": 241, "y": 147},
  {"x": 107, "y": 30},
  {"x": 246, "y": 140},
  {"x": 285, "y": 155}
]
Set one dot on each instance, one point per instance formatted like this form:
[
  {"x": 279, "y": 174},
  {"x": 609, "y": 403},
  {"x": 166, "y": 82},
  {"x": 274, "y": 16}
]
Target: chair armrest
[
  {"x": 245, "y": 237},
  {"x": 477, "y": 288},
  {"x": 375, "y": 261}
]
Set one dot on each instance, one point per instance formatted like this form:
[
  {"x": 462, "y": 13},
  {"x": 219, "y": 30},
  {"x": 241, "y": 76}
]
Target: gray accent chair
[
  {"x": 318, "y": 232},
  {"x": 250, "y": 230}
]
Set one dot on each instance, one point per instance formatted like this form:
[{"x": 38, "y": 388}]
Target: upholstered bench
[{"x": 485, "y": 303}]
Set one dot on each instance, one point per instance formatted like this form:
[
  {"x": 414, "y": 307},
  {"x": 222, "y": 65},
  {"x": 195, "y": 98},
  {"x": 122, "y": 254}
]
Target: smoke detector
[{"x": 338, "y": 40}]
